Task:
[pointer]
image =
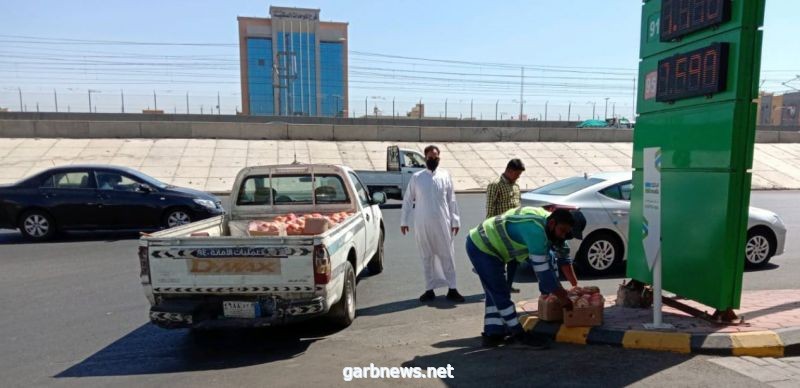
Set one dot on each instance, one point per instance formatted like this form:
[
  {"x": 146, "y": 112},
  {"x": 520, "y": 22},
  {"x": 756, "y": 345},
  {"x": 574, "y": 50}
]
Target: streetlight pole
[
  {"x": 521, "y": 89},
  {"x": 496, "y": 106},
  {"x": 55, "y": 97},
  {"x": 545, "y": 110},
  {"x": 569, "y": 110},
  {"x": 21, "y": 107},
  {"x": 605, "y": 115},
  {"x": 187, "y": 103},
  {"x": 470, "y": 110},
  {"x": 445, "y": 109},
  {"x": 122, "y": 97},
  {"x": 155, "y": 102}
]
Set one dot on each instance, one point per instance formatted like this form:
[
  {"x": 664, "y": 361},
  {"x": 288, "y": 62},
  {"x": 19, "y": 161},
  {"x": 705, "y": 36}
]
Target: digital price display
[
  {"x": 682, "y": 17},
  {"x": 696, "y": 73}
]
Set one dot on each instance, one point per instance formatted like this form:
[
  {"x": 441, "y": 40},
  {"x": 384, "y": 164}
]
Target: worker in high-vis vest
[{"x": 526, "y": 233}]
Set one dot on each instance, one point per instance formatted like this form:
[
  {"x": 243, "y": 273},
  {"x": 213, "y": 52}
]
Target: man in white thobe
[{"x": 431, "y": 199}]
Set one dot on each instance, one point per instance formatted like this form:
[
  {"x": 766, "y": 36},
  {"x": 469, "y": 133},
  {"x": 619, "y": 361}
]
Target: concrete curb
[{"x": 768, "y": 343}]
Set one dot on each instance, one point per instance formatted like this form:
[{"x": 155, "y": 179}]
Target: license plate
[{"x": 233, "y": 309}]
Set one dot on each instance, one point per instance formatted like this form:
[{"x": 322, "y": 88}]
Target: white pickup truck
[
  {"x": 214, "y": 273},
  {"x": 400, "y": 165}
]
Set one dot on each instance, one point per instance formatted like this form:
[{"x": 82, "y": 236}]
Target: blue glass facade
[
  {"x": 332, "y": 78},
  {"x": 259, "y": 70},
  {"x": 297, "y": 70}
]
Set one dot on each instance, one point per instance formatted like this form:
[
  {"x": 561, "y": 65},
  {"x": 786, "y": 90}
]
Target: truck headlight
[{"x": 205, "y": 203}]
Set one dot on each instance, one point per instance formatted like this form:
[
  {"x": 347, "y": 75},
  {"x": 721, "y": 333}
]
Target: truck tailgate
[{"x": 254, "y": 268}]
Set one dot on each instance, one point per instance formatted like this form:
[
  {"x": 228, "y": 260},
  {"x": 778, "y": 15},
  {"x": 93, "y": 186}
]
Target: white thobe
[{"x": 431, "y": 199}]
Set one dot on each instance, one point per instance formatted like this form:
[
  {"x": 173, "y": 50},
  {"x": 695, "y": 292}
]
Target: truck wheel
[
  {"x": 375, "y": 264},
  {"x": 344, "y": 312}
]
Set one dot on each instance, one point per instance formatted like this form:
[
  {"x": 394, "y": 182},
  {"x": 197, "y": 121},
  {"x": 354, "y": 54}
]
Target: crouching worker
[{"x": 526, "y": 233}]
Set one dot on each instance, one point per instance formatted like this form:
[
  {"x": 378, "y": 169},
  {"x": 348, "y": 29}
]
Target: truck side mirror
[{"x": 378, "y": 198}]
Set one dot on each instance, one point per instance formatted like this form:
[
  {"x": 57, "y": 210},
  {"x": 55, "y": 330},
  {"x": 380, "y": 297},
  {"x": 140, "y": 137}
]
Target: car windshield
[
  {"x": 567, "y": 186},
  {"x": 147, "y": 179}
]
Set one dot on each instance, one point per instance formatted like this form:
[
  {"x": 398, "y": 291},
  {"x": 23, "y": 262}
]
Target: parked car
[
  {"x": 400, "y": 165},
  {"x": 99, "y": 197},
  {"x": 220, "y": 272},
  {"x": 604, "y": 199}
]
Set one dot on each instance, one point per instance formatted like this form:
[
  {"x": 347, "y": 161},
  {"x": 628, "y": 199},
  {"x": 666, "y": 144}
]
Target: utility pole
[
  {"x": 614, "y": 109},
  {"x": 201, "y": 109},
  {"x": 521, "y": 89},
  {"x": 37, "y": 106},
  {"x": 21, "y": 107},
  {"x": 218, "y": 109},
  {"x": 55, "y": 97},
  {"x": 122, "y": 97},
  {"x": 90, "y": 100},
  {"x": 366, "y": 108},
  {"x": 393, "y": 107},
  {"x": 545, "y": 110},
  {"x": 445, "y": 109},
  {"x": 605, "y": 115},
  {"x": 569, "y": 110},
  {"x": 187, "y": 103},
  {"x": 155, "y": 103},
  {"x": 470, "y": 110},
  {"x": 496, "y": 106}
]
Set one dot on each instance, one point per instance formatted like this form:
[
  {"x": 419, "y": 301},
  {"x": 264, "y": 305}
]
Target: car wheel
[
  {"x": 759, "y": 248},
  {"x": 177, "y": 217},
  {"x": 37, "y": 225},
  {"x": 375, "y": 265},
  {"x": 600, "y": 254},
  {"x": 344, "y": 312}
]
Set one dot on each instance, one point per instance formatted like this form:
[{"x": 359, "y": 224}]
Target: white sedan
[{"x": 604, "y": 199}]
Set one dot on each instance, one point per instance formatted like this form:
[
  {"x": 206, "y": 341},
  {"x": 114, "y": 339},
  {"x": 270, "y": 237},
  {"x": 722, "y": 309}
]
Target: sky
[{"x": 578, "y": 55}]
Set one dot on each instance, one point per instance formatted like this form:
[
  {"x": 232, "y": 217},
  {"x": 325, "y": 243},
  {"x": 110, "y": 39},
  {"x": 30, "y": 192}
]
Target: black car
[{"x": 99, "y": 197}]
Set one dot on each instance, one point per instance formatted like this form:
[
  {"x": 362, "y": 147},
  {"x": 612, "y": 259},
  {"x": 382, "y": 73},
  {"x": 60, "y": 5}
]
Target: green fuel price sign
[{"x": 698, "y": 77}]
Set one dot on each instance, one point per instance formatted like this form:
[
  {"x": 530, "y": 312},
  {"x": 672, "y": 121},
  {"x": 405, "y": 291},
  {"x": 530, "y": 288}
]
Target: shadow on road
[
  {"x": 152, "y": 350},
  {"x": 15, "y": 237},
  {"x": 392, "y": 307},
  {"x": 594, "y": 366}
]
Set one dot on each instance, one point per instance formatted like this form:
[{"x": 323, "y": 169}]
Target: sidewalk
[
  {"x": 771, "y": 329},
  {"x": 211, "y": 165}
]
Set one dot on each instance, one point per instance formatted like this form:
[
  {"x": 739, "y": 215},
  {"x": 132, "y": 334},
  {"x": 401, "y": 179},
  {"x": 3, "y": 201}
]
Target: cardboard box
[
  {"x": 316, "y": 226},
  {"x": 551, "y": 312},
  {"x": 584, "y": 316}
]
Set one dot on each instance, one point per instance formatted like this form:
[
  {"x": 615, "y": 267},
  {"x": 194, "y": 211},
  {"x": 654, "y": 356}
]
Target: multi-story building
[{"x": 293, "y": 64}]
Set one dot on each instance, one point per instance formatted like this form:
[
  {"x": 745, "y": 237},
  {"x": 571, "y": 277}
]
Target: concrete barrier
[
  {"x": 166, "y": 130},
  {"x": 768, "y": 137},
  {"x": 398, "y": 133},
  {"x": 18, "y": 128},
  {"x": 87, "y": 128},
  {"x": 440, "y": 134},
  {"x": 61, "y": 128},
  {"x": 596, "y": 135},
  {"x": 268, "y": 131},
  {"x": 790, "y": 137},
  {"x": 311, "y": 132},
  {"x": 216, "y": 130},
  {"x": 558, "y": 134},
  {"x": 114, "y": 129},
  {"x": 355, "y": 132}
]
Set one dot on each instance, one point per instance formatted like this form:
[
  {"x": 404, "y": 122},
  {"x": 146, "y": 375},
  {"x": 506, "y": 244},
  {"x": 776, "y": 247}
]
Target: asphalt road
[{"x": 72, "y": 313}]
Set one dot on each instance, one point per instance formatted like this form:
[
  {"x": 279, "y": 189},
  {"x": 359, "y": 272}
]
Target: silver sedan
[{"x": 604, "y": 199}]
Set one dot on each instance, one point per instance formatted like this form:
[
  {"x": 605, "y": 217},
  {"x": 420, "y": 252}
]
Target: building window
[{"x": 259, "y": 71}]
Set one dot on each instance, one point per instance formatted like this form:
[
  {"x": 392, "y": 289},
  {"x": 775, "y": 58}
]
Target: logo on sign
[{"x": 235, "y": 266}]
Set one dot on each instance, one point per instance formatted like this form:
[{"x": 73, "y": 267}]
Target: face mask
[{"x": 432, "y": 164}]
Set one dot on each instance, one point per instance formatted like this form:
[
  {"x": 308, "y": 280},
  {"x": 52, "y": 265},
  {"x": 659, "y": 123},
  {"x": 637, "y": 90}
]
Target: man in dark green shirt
[{"x": 502, "y": 195}]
